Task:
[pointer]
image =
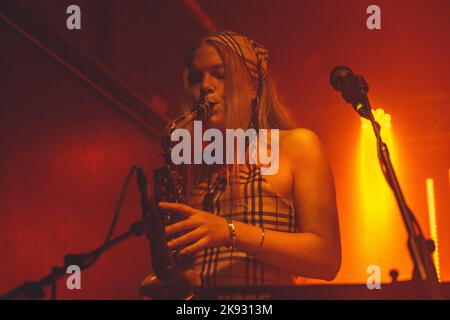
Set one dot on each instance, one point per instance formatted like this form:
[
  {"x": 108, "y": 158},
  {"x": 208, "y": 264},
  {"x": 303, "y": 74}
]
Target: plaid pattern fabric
[
  {"x": 260, "y": 206},
  {"x": 253, "y": 54}
]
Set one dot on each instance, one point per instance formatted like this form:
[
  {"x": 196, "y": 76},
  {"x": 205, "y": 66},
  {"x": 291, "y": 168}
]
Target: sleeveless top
[{"x": 259, "y": 205}]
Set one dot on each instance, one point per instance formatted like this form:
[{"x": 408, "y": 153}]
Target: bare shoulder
[
  {"x": 299, "y": 135},
  {"x": 302, "y": 144}
]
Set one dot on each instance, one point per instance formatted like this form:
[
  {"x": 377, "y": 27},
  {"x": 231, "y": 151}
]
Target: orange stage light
[
  {"x": 433, "y": 223},
  {"x": 380, "y": 236}
]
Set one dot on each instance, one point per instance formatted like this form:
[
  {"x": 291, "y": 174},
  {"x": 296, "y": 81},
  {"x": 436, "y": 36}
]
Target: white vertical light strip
[{"x": 433, "y": 223}]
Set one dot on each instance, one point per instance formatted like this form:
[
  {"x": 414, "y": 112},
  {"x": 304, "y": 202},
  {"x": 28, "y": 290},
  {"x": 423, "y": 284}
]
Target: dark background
[{"x": 79, "y": 108}]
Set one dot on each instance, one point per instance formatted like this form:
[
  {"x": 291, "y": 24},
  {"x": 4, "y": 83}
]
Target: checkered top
[{"x": 260, "y": 206}]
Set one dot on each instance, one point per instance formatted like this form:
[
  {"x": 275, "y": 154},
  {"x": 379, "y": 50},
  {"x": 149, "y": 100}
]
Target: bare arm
[{"x": 315, "y": 251}]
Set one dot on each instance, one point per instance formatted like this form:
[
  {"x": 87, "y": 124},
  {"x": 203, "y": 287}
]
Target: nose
[{"x": 207, "y": 85}]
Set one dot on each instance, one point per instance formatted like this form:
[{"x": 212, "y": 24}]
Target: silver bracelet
[{"x": 232, "y": 231}]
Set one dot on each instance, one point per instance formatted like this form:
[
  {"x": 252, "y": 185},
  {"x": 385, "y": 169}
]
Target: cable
[
  {"x": 117, "y": 210},
  {"x": 418, "y": 229},
  {"x": 119, "y": 204}
]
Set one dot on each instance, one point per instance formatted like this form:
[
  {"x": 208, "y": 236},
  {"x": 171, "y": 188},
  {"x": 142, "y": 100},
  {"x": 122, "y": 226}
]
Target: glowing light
[
  {"x": 433, "y": 224},
  {"x": 384, "y": 119},
  {"x": 380, "y": 232},
  {"x": 365, "y": 125}
]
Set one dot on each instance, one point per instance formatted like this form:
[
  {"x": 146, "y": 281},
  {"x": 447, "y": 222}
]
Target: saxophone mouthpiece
[{"x": 203, "y": 109}]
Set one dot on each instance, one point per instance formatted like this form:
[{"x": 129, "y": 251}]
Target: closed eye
[
  {"x": 194, "y": 77},
  {"x": 219, "y": 73}
]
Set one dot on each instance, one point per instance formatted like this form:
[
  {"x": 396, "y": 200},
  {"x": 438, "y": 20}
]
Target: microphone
[
  {"x": 353, "y": 89},
  {"x": 162, "y": 260}
]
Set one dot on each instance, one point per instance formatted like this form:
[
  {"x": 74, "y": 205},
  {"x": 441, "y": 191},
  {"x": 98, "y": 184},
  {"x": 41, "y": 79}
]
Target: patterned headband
[{"x": 253, "y": 54}]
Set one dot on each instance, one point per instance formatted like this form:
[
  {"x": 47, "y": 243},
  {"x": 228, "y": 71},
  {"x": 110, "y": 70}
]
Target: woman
[{"x": 243, "y": 227}]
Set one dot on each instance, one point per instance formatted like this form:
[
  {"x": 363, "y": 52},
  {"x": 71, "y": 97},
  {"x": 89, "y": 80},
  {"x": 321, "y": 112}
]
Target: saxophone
[{"x": 172, "y": 278}]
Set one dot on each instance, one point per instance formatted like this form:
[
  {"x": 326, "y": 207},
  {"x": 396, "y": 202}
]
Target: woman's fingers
[
  {"x": 182, "y": 225},
  {"x": 197, "y": 246},
  {"x": 178, "y": 207},
  {"x": 183, "y": 209},
  {"x": 205, "y": 229},
  {"x": 186, "y": 238}
]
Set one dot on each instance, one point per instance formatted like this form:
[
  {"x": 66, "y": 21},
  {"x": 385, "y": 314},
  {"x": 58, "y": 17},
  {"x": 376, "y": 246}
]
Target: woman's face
[{"x": 206, "y": 80}]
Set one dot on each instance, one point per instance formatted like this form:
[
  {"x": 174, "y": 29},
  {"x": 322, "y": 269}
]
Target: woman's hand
[{"x": 207, "y": 230}]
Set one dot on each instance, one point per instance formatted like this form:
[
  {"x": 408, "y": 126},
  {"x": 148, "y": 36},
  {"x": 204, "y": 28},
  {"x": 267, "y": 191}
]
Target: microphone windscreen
[{"x": 337, "y": 74}]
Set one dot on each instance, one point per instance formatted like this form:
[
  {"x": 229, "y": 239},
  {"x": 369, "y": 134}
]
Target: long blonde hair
[{"x": 239, "y": 94}]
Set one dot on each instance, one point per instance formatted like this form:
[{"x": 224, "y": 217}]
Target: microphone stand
[
  {"x": 35, "y": 289},
  {"x": 420, "y": 249}
]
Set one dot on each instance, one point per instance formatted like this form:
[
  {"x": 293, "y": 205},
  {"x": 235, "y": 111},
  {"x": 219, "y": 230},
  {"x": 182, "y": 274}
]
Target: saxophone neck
[{"x": 199, "y": 112}]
